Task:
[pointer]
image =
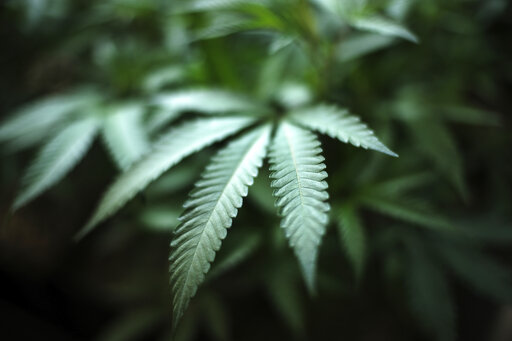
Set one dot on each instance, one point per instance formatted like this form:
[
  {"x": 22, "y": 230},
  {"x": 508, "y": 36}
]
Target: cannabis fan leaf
[
  {"x": 209, "y": 212},
  {"x": 337, "y": 123},
  {"x": 299, "y": 181},
  {"x": 168, "y": 151}
]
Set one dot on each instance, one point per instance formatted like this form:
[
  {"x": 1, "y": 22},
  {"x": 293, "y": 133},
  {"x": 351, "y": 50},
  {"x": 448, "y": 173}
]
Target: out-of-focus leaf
[
  {"x": 159, "y": 119},
  {"x": 357, "y": 46},
  {"x": 31, "y": 124},
  {"x": 398, "y": 9},
  {"x": 479, "y": 271},
  {"x": 217, "y": 5},
  {"x": 436, "y": 141},
  {"x": 160, "y": 218},
  {"x": 293, "y": 95},
  {"x": 131, "y": 325},
  {"x": 216, "y": 317},
  {"x": 401, "y": 185},
  {"x": 172, "y": 147},
  {"x": 384, "y": 26},
  {"x": 352, "y": 238},
  {"x": 245, "y": 247},
  {"x": 429, "y": 294},
  {"x": 283, "y": 290},
  {"x": 469, "y": 115},
  {"x": 414, "y": 211},
  {"x": 206, "y": 101},
  {"x": 160, "y": 78},
  {"x": 56, "y": 159},
  {"x": 224, "y": 25},
  {"x": 124, "y": 134}
]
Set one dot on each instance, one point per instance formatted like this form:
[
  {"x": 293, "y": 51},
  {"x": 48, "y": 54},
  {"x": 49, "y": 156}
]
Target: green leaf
[
  {"x": 160, "y": 119},
  {"x": 469, "y": 115},
  {"x": 298, "y": 178},
  {"x": 217, "y": 5},
  {"x": 343, "y": 8},
  {"x": 209, "y": 212},
  {"x": 361, "y": 44},
  {"x": 207, "y": 101},
  {"x": 216, "y": 318},
  {"x": 384, "y": 26},
  {"x": 34, "y": 122},
  {"x": 124, "y": 135},
  {"x": 437, "y": 143},
  {"x": 353, "y": 238},
  {"x": 429, "y": 293},
  {"x": 414, "y": 211},
  {"x": 478, "y": 270},
  {"x": 172, "y": 147},
  {"x": 222, "y": 25},
  {"x": 283, "y": 291},
  {"x": 132, "y": 324},
  {"x": 398, "y": 9},
  {"x": 399, "y": 185},
  {"x": 56, "y": 159},
  {"x": 337, "y": 123}
]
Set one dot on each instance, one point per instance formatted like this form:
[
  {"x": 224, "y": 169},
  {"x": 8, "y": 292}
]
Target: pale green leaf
[
  {"x": 358, "y": 45},
  {"x": 56, "y": 159},
  {"x": 160, "y": 119},
  {"x": 164, "y": 76},
  {"x": 172, "y": 147},
  {"x": 217, "y": 5},
  {"x": 337, "y": 123},
  {"x": 34, "y": 122},
  {"x": 222, "y": 25},
  {"x": 159, "y": 218},
  {"x": 343, "y": 8},
  {"x": 124, "y": 135},
  {"x": 209, "y": 212},
  {"x": 207, "y": 101},
  {"x": 301, "y": 191},
  {"x": 398, "y": 9},
  {"x": 384, "y": 26}
]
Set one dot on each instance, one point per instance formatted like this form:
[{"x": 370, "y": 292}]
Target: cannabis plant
[{"x": 270, "y": 86}]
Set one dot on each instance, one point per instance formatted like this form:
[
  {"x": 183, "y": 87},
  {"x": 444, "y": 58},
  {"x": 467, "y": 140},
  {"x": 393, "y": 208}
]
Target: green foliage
[
  {"x": 166, "y": 83},
  {"x": 56, "y": 159}
]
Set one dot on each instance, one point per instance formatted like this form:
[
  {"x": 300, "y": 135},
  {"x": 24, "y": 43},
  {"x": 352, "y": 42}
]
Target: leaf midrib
[{"x": 295, "y": 169}]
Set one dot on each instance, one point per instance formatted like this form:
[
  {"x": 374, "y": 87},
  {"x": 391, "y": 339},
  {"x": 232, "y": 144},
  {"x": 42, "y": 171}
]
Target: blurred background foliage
[{"x": 418, "y": 248}]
